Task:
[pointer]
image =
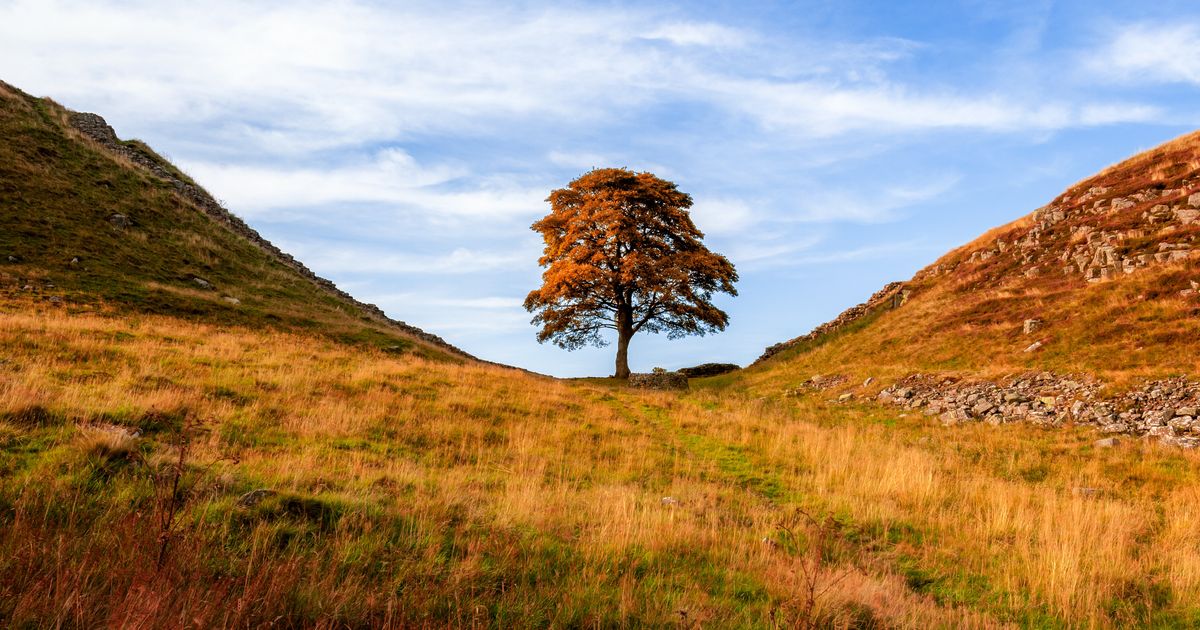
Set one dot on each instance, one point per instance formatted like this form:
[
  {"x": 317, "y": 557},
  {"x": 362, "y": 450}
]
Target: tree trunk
[{"x": 624, "y": 333}]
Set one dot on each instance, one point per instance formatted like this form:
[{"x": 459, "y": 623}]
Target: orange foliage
[{"x": 622, "y": 254}]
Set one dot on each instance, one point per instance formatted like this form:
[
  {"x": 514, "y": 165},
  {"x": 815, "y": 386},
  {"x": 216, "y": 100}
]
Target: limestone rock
[
  {"x": 708, "y": 369},
  {"x": 658, "y": 380},
  {"x": 1166, "y": 409},
  {"x": 254, "y": 497}
]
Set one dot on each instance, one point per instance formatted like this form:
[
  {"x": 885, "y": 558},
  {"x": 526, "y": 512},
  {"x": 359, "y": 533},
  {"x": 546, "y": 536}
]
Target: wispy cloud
[
  {"x": 1166, "y": 52},
  {"x": 866, "y": 252},
  {"x": 699, "y": 34},
  {"x": 458, "y": 261},
  {"x": 489, "y": 303},
  {"x": 305, "y": 76},
  {"x": 392, "y": 177},
  {"x": 876, "y": 204}
]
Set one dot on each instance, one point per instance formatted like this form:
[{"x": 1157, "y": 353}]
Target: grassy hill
[
  {"x": 92, "y": 222},
  {"x": 1109, "y": 269},
  {"x": 168, "y": 461}
]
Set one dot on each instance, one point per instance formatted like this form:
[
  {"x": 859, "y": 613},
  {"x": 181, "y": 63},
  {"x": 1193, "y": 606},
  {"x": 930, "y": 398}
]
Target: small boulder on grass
[
  {"x": 659, "y": 380},
  {"x": 254, "y": 497},
  {"x": 709, "y": 369}
]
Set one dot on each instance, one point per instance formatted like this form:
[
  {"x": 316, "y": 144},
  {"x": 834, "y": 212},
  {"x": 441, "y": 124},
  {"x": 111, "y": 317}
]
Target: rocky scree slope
[
  {"x": 88, "y": 215},
  {"x": 1100, "y": 288}
]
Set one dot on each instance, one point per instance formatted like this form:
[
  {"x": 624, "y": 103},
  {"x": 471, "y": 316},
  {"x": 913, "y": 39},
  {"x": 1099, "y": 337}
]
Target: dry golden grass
[{"x": 420, "y": 493}]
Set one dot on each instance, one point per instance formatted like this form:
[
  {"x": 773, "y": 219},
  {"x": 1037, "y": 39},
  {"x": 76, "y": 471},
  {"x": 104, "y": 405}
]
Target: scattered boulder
[
  {"x": 231, "y": 300},
  {"x": 1031, "y": 325},
  {"x": 1167, "y": 409},
  {"x": 708, "y": 369},
  {"x": 1107, "y": 442},
  {"x": 254, "y": 497},
  {"x": 817, "y": 383},
  {"x": 14, "y": 259},
  {"x": 669, "y": 501},
  {"x": 1033, "y": 346},
  {"x": 1194, "y": 200},
  {"x": 119, "y": 220},
  {"x": 659, "y": 380},
  {"x": 202, "y": 283}
]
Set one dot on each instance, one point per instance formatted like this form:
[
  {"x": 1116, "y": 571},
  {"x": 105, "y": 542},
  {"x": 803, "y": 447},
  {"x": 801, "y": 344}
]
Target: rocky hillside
[
  {"x": 1086, "y": 310},
  {"x": 88, "y": 220}
]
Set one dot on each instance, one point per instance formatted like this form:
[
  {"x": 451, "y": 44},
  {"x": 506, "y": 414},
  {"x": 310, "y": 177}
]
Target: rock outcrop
[
  {"x": 818, "y": 382},
  {"x": 658, "y": 380},
  {"x": 1093, "y": 235},
  {"x": 1165, "y": 409},
  {"x": 709, "y": 369}
]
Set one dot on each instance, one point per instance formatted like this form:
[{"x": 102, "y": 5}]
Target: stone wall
[
  {"x": 709, "y": 369},
  {"x": 1165, "y": 409},
  {"x": 892, "y": 295},
  {"x": 658, "y": 380}
]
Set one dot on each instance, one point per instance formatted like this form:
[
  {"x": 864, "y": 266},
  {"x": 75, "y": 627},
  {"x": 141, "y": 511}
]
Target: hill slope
[
  {"x": 89, "y": 220},
  {"x": 1101, "y": 284}
]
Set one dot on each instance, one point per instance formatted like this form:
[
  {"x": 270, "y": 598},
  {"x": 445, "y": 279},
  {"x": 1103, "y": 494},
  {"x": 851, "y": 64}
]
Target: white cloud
[
  {"x": 1161, "y": 53},
  {"x": 759, "y": 250},
  {"x": 814, "y": 109},
  {"x": 872, "y": 205},
  {"x": 699, "y": 34},
  {"x": 722, "y": 216},
  {"x": 867, "y": 252},
  {"x": 491, "y": 303},
  {"x": 459, "y": 261},
  {"x": 393, "y": 177},
  {"x": 579, "y": 159},
  {"x": 301, "y": 77}
]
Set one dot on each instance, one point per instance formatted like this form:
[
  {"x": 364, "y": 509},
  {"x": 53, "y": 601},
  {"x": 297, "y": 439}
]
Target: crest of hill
[
  {"x": 88, "y": 220},
  {"x": 1102, "y": 280}
]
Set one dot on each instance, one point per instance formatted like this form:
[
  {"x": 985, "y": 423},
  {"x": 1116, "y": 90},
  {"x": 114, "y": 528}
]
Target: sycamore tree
[{"x": 622, "y": 254}]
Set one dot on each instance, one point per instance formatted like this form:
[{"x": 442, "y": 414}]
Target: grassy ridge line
[{"x": 58, "y": 191}]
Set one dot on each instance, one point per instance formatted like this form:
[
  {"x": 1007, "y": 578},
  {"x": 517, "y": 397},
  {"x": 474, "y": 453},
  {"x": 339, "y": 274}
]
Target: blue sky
[{"x": 403, "y": 149}]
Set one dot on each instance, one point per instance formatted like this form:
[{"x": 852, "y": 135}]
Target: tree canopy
[{"x": 622, "y": 254}]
